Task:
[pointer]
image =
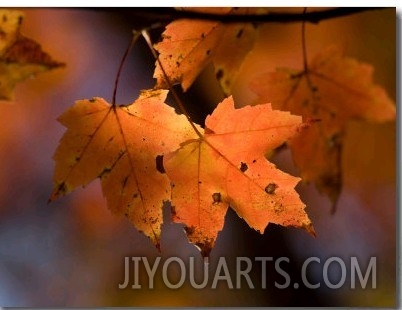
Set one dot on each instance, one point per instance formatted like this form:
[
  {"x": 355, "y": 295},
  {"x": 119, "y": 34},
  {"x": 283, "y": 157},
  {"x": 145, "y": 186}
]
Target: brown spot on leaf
[
  {"x": 270, "y": 188},
  {"x": 189, "y": 230},
  {"x": 239, "y": 34},
  {"x": 219, "y": 74},
  {"x": 243, "y": 167},
  {"x": 278, "y": 208},
  {"x": 216, "y": 197}
]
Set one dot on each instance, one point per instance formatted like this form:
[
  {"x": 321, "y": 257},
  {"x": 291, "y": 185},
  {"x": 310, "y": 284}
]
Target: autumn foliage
[
  {"x": 120, "y": 145},
  {"x": 188, "y": 46},
  {"x": 146, "y": 154},
  {"x": 20, "y": 57},
  {"x": 226, "y": 167},
  {"x": 332, "y": 89}
]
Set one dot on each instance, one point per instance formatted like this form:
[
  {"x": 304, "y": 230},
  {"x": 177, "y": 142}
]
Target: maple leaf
[
  {"x": 333, "y": 90},
  {"x": 20, "y": 57},
  {"x": 121, "y": 145},
  {"x": 188, "y": 46},
  {"x": 226, "y": 167}
]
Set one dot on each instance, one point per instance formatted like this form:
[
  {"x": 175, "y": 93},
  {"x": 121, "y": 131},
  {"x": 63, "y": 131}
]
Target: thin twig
[
  {"x": 165, "y": 15},
  {"x": 175, "y": 96},
  {"x": 305, "y": 62},
  {"x": 116, "y": 82}
]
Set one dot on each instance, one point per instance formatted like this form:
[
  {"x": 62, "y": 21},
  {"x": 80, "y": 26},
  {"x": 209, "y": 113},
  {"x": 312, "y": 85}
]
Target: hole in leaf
[{"x": 159, "y": 164}]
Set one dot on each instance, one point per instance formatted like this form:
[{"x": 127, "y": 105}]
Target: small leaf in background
[
  {"x": 20, "y": 57},
  {"x": 227, "y": 167},
  {"x": 334, "y": 90},
  {"x": 188, "y": 46}
]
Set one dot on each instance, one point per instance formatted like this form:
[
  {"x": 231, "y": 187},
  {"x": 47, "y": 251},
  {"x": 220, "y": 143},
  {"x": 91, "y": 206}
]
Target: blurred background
[{"x": 70, "y": 253}]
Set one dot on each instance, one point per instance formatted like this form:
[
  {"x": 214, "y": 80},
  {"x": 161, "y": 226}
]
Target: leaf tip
[
  {"x": 205, "y": 249},
  {"x": 59, "y": 190},
  {"x": 158, "y": 246},
  {"x": 53, "y": 196},
  {"x": 310, "y": 229}
]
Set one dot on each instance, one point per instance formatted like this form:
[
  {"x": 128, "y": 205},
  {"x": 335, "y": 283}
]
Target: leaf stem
[
  {"x": 134, "y": 38},
  {"x": 169, "y": 83},
  {"x": 306, "y": 70}
]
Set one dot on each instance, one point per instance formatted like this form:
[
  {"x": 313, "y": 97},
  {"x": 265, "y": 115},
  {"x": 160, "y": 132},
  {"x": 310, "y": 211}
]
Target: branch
[{"x": 170, "y": 14}]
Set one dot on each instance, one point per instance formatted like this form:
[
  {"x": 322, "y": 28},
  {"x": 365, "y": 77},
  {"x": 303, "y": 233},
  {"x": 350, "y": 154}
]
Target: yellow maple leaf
[
  {"x": 121, "y": 145},
  {"x": 188, "y": 46}
]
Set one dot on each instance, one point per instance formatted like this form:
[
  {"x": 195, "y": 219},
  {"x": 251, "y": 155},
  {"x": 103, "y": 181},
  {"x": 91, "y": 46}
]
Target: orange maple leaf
[
  {"x": 20, "y": 57},
  {"x": 121, "y": 146},
  {"x": 188, "y": 46},
  {"x": 226, "y": 167},
  {"x": 333, "y": 90}
]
